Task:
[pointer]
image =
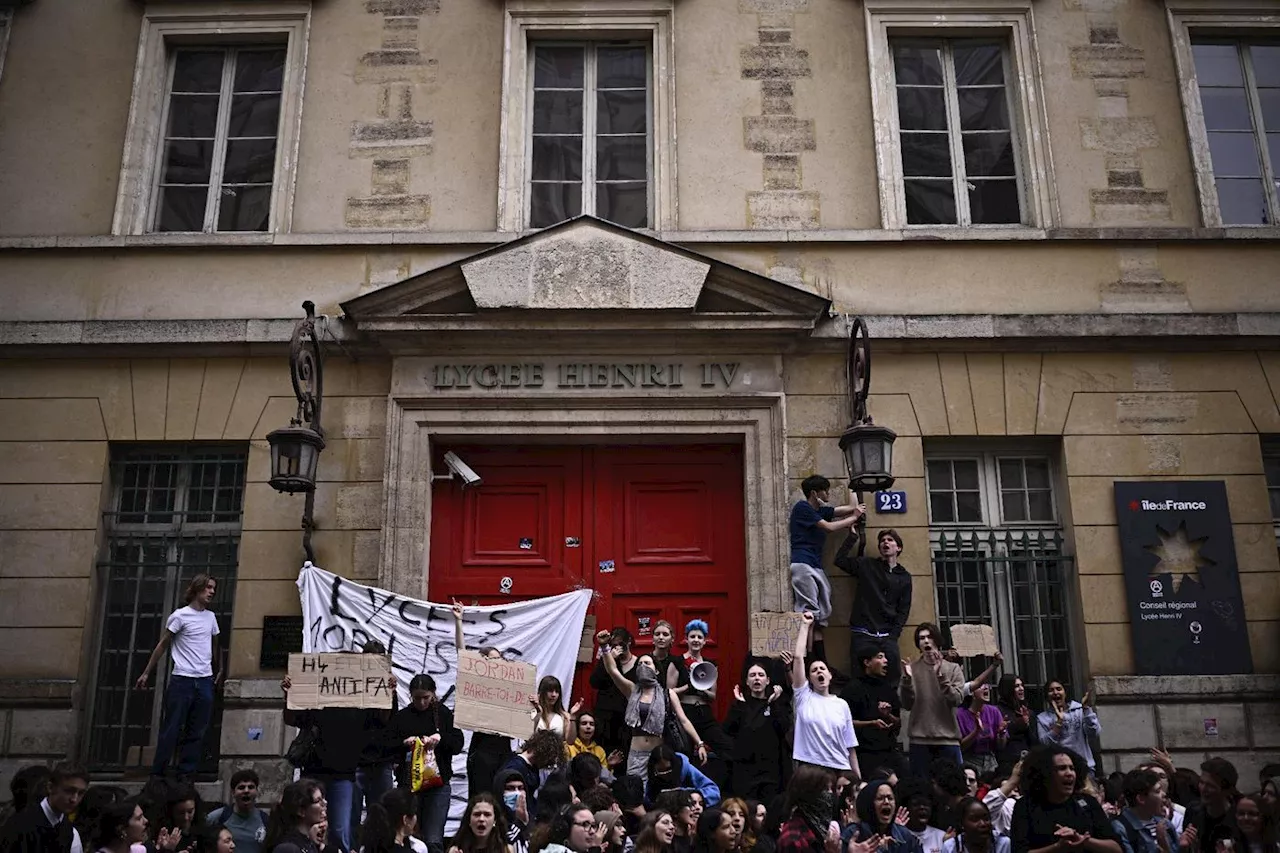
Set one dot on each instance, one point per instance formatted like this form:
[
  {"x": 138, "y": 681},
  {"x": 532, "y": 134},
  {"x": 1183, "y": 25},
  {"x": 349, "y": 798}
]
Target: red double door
[{"x": 656, "y": 531}]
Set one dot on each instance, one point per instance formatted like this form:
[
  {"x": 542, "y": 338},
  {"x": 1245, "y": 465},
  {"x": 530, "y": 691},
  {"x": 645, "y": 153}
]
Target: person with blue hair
[{"x": 697, "y": 705}]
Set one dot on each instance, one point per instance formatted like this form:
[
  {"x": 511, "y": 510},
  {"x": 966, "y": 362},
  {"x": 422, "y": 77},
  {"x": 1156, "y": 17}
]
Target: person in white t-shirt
[
  {"x": 824, "y": 725},
  {"x": 191, "y": 635}
]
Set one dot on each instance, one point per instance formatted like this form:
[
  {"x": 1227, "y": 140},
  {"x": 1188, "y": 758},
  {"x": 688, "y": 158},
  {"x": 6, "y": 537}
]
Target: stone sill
[
  {"x": 492, "y": 238},
  {"x": 253, "y": 692},
  {"x": 1146, "y": 688},
  {"x": 54, "y": 692}
]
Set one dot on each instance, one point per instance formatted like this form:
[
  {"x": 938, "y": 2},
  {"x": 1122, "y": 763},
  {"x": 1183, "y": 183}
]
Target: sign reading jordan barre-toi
[{"x": 1181, "y": 579}]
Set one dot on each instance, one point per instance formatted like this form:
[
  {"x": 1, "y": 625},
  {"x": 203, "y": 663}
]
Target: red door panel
[{"x": 657, "y": 532}]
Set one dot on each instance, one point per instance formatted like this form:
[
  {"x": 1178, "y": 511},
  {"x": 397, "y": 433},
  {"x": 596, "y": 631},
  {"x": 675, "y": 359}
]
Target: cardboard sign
[
  {"x": 969, "y": 641},
  {"x": 587, "y": 645},
  {"x": 339, "y": 681},
  {"x": 493, "y": 695},
  {"x": 774, "y": 633}
]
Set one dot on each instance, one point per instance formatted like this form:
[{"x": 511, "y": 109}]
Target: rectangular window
[
  {"x": 998, "y": 557},
  {"x": 212, "y": 139},
  {"x": 1271, "y": 467},
  {"x": 1239, "y": 83},
  {"x": 221, "y": 123},
  {"x": 175, "y": 513},
  {"x": 958, "y": 148},
  {"x": 589, "y": 146}
]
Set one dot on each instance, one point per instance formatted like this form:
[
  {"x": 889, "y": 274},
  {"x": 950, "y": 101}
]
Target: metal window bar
[
  {"x": 1014, "y": 580},
  {"x": 153, "y": 550}
]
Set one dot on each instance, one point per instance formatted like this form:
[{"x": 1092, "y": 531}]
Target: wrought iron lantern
[
  {"x": 295, "y": 449},
  {"x": 867, "y": 448}
]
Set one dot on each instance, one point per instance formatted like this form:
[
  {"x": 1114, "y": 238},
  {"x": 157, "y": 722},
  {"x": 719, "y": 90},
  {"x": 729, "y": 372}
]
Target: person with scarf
[
  {"x": 877, "y": 808},
  {"x": 611, "y": 704},
  {"x": 758, "y": 723},
  {"x": 810, "y": 805},
  {"x": 669, "y": 769},
  {"x": 1068, "y": 723},
  {"x": 647, "y": 707}
]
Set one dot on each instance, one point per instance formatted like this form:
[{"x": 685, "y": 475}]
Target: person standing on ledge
[
  {"x": 882, "y": 602},
  {"x": 811, "y": 520},
  {"x": 191, "y": 633}
]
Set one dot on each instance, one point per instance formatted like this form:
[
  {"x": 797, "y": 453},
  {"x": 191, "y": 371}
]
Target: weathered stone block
[
  {"x": 779, "y": 135},
  {"x": 274, "y": 774},
  {"x": 1127, "y": 726},
  {"x": 1182, "y": 726},
  {"x": 783, "y": 209},
  {"x": 52, "y": 461},
  {"x": 782, "y": 172},
  {"x": 47, "y": 553},
  {"x": 41, "y": 731},
  {"x": 51, "y": 420},
  {"x": 391, "y": 138},
  {"x": 775, "y": 61},
  {"x": 401, "y": 7},
  {"x": 773, "y": 6},
  {"x": 1119, "y": 134},
  {"x": 45, "y": 506},
  {"x": 396, "y": 66},
  {"x": 1264, "y": 722},
  {"x": 389, "y": 212},
  {"x": 253, "y": 731},
  {"x": 390, "y": 177},
  {"x": 1107, "y": 60},
  {"x": 36, "y": 602}
]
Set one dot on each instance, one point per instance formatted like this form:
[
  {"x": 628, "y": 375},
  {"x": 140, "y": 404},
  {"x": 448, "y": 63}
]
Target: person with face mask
[
  {"x": 809, "y": 807},
  {"x": 670, "y": 770},
  {"x": 824, "y": 734},
  {"x": 758, "y": 723},
  {"x": 648, "y": 705}
]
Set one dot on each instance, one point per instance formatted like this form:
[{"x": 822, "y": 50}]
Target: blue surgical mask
[{"x": 509, "y": 799}]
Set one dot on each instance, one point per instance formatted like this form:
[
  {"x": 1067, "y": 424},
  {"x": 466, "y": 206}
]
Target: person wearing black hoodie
[
  {"x": 877, "y": 714},
  {"x": 882, "y": 603},
  {"x": 430, "y": 721}
]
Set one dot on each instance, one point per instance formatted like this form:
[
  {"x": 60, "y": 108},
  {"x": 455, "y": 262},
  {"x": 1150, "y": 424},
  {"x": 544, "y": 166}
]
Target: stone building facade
[{"x": 1045, "y": 209}]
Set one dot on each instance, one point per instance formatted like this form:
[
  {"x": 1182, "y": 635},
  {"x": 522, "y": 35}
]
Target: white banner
[{"x": 340, "y": 615}]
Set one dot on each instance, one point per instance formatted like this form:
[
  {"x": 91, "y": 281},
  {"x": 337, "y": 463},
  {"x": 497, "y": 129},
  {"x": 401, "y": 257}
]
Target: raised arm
[
  {"x": 458, "y": 642},
  {"x": 802, "y": 645},
  {"x": 624, "y": 685}
]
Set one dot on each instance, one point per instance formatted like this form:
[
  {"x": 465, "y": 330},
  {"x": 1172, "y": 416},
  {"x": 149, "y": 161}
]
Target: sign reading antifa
[
  {"x": 1181, "y": 578},
  {"x": 339, "y": 615}
]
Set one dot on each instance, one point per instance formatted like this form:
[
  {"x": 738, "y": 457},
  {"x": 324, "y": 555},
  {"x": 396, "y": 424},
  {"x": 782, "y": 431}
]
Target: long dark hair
[
  {"x": 294, "y": 799},
  {"x": 647, "y": 841},
  {"x": 466, "y": 839},
  {"x": 545, "y": 686},
  {"x": 1037, "y": 768},
  {"x": 1004, "y": 691},
  {"x": 807, "y": 786},
  {"x": 1269, "y": 831},
  {"x": 673, "y": 802},
  {"x": 708, "y": 823},
  {"x": 112, "y": 819},
  {"x": 383, "y": 820}
]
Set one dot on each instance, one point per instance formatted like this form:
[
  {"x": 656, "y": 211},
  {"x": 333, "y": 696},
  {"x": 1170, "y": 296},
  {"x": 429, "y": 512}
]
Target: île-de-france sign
[{"x": 1181, "y": 578}]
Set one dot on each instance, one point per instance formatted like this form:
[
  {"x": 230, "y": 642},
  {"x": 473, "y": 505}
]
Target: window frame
[
  {"x": 1270, "y": 451},
  {"x": 990, "y": 495},
  {"x": 529, "y": 22},
  {"x": 6, "y": 26},
  {"x": 166, "y": 26},
  {"x": 1007, "y": 20},
  {"x": 590, "y": 119},
  {"x": 1235, "y": 20}
]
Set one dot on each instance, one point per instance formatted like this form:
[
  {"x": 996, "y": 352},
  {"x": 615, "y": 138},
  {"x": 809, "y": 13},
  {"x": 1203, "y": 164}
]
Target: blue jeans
[
  {"x": 188, "y": 705},
  {"x": 339, "y": 791},
  {"x": 433, "y": 811},
  {"x": 371, "y": 783},
  {"x": 922, "y": 755}
]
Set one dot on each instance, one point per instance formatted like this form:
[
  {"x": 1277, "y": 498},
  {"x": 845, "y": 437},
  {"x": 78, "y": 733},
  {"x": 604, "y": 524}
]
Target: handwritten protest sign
[
  {"x": 969, "y": 641},
  {"x": 493, "y": 695},
  {"x": 774, "y": 633},
  {"x": 339, "y": 681}
]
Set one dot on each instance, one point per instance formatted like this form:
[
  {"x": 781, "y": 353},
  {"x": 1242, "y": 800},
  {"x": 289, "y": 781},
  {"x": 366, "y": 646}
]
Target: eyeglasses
[
  {"x": 884, "y": 798},
  {"x": 584, "y": 824}
]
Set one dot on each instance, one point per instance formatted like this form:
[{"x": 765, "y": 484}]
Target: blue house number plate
[{"x": 891, "y": 501}]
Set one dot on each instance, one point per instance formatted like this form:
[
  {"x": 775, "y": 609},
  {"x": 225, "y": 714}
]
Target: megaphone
[{"x": 703, "y": 675}]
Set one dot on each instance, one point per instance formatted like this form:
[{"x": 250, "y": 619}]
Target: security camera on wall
[{"x": 461, "y": 470}]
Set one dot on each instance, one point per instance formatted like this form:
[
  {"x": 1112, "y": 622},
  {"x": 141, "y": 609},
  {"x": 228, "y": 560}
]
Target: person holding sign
[
  {"x": 824, "y": 734},
  {"x": 648, "y": 705},
  {"x": 488, "y": 750},
  {"x": 882, "y": 603},
  {"x": 428, "y": 722},
  {"x": 811, "y": 520}
]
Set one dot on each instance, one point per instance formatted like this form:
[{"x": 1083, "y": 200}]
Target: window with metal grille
[
  {"x": 221, "y": 122},
  {"x": 1271, "y": 467},
  {"x": 175, "y": 513},
  {"x": 1239, "y": 82},
  {"x": 589, "y": 145},
  {"x": 960, "y": 156},
  {"x": 998, "y": 559}
]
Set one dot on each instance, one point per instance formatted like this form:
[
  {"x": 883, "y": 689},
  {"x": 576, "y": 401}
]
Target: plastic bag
[{"x": 424, "y": 772}]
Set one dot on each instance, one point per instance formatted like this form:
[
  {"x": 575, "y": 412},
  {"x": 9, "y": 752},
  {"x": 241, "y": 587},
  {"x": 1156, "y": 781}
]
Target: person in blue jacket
[
  {"x": 669, "y": 769},
  {"x": 877, "y": 809}
]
